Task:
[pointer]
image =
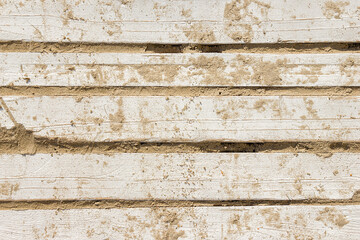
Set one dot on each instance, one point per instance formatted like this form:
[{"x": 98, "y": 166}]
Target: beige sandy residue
[
  {"x": 7, "y": 189},
  {"x": 263, "y": 72},
  {"x": 100, "y": 74},
  {"x": 238, "y": 223},
  {"x": 97, "y": 75},
  {"x": 157, "y": 73},
  {"x": 23, "y": 139},
  {"x": 216, "y": 71},
  {"x": 271, "y": 217},
  {"x": 334, "y": 9},
  {"x": 349, "y": 69},
  {"x": 163, "y": 224},
  {"x": 331, "y": 216},
  {"x": 186, "y": 13},
  {"x": 48, "y": 232},
  {"x": 211, "y": 68},
  {"x": 260, "y": 105},
  {"x": 199, "y": 33},
  {"x": 237, "y": 13},
  {"x": 268, "y": 73},
  {"x": 310, "y": 108},
  {"x": 117, "y": 119},
  {"x": 311, "y": 72},
  {"x": 126, "y": 2},
  {"x": 230, "y": 110}
]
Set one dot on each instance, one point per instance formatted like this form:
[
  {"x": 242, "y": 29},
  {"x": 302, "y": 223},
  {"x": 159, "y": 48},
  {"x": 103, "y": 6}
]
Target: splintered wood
[{"x": 85, "y": 84}]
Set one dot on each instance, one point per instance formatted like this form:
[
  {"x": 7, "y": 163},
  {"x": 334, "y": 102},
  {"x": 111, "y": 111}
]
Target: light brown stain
[
  {"x": 268, "y": 73},
  {"x": 163, "y": 224},
  {"x": 198, "y": 33},
  {"x": 117, "y": 119},
  {"x": 312, "y": 73},
  {"x": 231, "y": 109},
  {"x": 186, "y": 13},
  {"x": 241, "y": 222},
  {"x": 211, "y": 69},
  {"x": 260, "y": 105},
  {"x": 157, "y": 73},
  {"x": 97, "y": 74},
  {"x": 7, "y": 189},
  {"x": 330, "y": 216},
  {"x": 271, "y": 217},
  {"x": 310, "y": 108},
  {"x": 48, "y": 232},
  {"x": 349, "y": 69},
  {"x": 334, "y": 9},
  {"x": 241, "y": 69},
  {"x": 237, "y": 13},
  {"x": 298, "y": 185}
]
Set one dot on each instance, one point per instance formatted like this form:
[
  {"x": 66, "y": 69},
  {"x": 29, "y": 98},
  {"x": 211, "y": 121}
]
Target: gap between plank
[
  {"x": 18, "y": 140},
  {"x": 87, "y": 47},
  {"x": 107, "y": 204},
  {"x": 177, "y": 91}
]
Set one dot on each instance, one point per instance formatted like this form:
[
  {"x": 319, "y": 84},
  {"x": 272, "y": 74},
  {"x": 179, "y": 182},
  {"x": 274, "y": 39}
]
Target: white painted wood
[
  {"x": 233, "y": 118},
  {"x": 200, "y": 176},
  {"x": 224, "y": 69},
  {"x": 5, "y": 120},
  {"x": 259, "y": 222},
  {"x": 168, "y": 21}
]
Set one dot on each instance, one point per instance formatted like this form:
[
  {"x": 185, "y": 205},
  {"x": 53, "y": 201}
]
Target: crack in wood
[{"x": 118, "y": 203}]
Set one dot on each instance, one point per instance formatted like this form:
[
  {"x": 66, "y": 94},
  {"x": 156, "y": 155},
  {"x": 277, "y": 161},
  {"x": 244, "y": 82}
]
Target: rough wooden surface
[
  {"x": 167, "y": 21},
  {"x": 171, "y": 119},
  {"x": 272, "y": 93},
  {"x": 196, "y": 69},
  {"x": 260, "y": 222},
  {"x": 200, "y": 176}
]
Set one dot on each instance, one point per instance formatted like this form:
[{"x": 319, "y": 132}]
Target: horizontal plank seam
[
  {"x": 87, "y": 47},
  {"x": 177, "y": 91},
  {"x": 19, "y": 140},
  {"x": 114, "y": 203}
]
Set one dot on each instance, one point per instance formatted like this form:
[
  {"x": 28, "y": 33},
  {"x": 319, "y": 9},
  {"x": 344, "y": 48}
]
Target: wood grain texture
[
  {"x": 174, "y": 119},
  {"x": 200, "y": 176},
  {"x": 196, "y": 69},
  {"x": 167, "y": 21},
  {"x": 261, "y": 222}
]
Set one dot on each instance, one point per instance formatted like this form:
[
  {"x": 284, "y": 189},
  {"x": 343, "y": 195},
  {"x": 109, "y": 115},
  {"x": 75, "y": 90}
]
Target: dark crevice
[
  {"x": 177, "y": 91},
  {"x": 115, "y": 203},
  {"x": 18, "y": 140},
  {"x": 87, "y": 47}
]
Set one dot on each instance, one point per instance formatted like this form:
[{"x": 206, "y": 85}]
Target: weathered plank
[
  {"x": 196, "y": 69},
  {"x": 261, "y": 222},
  {"x": 167, "y": 21},
  {"x": 200, "y": 176},
  {"x": 234, "y": 118}
]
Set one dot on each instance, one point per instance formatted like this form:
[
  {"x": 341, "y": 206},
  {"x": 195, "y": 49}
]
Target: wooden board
[
  {"x": 196, "y": 69},
  {"x": 172, "y": 119},
  {"x": 260, "y": 222},
  {"x": 168, "y": 21},
  {"x": 200, "y": 176}
]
